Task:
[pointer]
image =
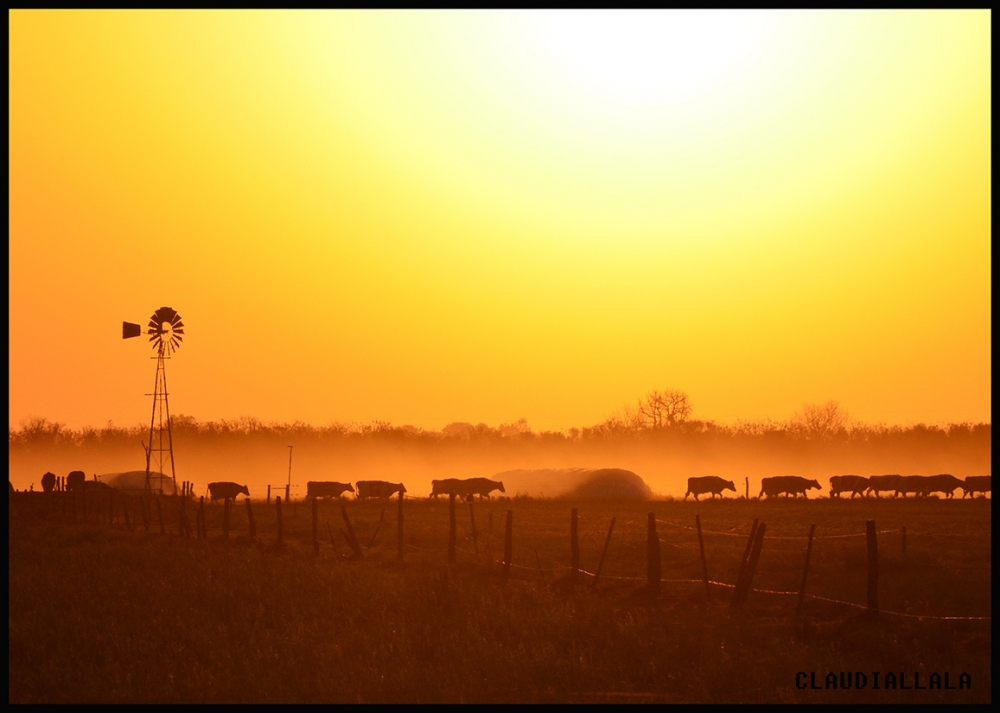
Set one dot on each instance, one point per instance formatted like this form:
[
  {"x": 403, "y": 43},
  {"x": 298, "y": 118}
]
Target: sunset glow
[{"x": 428, "y": 217}]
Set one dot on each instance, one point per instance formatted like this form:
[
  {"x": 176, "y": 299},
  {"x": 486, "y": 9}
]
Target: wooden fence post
[
  {"x": 399, "y": 527},
  {"x": 451, "y": 528},
  {"x": 872, "y": 567},
  {"x": 704, "y": 562},
  {"x": 352, "y": 541},
  {"x": 475, "y": 539},
  {"x": 805, "y": 570},
  {"x": 268, "y": 495},
  {"x": 332, "y": 541},
  {"x": 159, "y": 515},
  {"x": 225, "y": 516},
  {"x": 508, "y": 543},
  {"x": 748, "y": 487},
  {"x": 574, "y": 546},
  {"x": 281, "y": 525},
  {"x": 746, "y": 556},
  {"x": 904, "y": 542},
  {"x": 288, "y": 493},
  {"x": 652, "y": 556},
  {"x": 607, "y": 541},
  {"x": 251, "y": 520},
  {"x": 202, "y": 528},
  {"x": 743, "y": 586},
  {"x": 315, "y": 529}
]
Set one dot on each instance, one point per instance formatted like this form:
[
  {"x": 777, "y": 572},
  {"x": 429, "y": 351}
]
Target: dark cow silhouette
[
  {"x": 95, "y": 486},
  {"x": 378, "y": 489},
  {"x": 884, "y": 483},
  {"x": 226, "y": 490},
  {"x": 708, "y": 484},
  {"x": 853, "y": 484},
  {"x": 48, "y": 482},
  {"x": 916, "y": 484},
  {"x": 943, "y": 483},
  {"x": 787, "y": 484},
  {"x": 75, "y": 480},
  {"x": 977, "y": 484},
  {"x": 327, "y": 489},
  {"x": 481, "y": 487}
]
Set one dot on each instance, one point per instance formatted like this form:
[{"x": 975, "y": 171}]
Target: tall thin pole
[{"x": 289, "y": 468}]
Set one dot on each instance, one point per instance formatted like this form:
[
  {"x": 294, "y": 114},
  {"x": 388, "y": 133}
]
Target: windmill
[{"x": 166, "y": 331}]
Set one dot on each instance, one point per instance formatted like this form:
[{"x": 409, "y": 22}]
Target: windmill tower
[{"x": 166, "y": 331}]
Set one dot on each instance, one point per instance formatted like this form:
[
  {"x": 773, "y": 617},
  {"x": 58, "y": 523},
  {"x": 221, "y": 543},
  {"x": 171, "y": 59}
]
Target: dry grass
[{"x": 107, "y": 615}]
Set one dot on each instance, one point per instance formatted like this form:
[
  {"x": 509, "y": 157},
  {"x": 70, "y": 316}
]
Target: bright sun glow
[{"x": 645, "y": 58}]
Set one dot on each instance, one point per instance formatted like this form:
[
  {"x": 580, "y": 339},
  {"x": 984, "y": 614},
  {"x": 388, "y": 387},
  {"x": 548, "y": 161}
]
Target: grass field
[{"x": 101, "y": 614}]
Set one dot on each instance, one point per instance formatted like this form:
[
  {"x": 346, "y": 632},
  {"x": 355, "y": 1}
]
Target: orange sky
[{"x": 427, "y": 217}]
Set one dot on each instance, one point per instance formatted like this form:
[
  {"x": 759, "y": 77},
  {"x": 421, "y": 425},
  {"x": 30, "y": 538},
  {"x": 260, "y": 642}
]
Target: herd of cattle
[
  {"x": 464, "y": 488},
  {"x": 898, "y": 485},
  {"x": 468, "y": 488}
]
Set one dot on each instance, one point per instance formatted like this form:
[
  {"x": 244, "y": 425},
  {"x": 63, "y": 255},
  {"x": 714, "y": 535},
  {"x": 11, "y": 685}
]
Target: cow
[
  {"x": 855, "y": 484},
  {"x": 788, "y": 484},
  {"x": 226, "y": 490},
  {"x": 481, "y": 487},
  {"x": 708, "y": 484},
  {"x": 943, "y": 483},
  {"x": 916, "y": 484},
  {"x": 378, "y": 489},
  {"x": 327, "y": 489},
  {"x": 884, "y": 483},
  {"x": 448, "y": 486},
  {"x": 976, "y": 484},
  {"x": 75, "y": 480},
  {"x": 96, "y": 486},
  {"x": 48, "y": 482}
]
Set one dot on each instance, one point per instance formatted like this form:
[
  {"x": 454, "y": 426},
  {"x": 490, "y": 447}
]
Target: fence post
[
  {"x": 652, "y": 556},
  {"x": 743, "y": 587},
  {"x": 281, "y": 525},
  {"x": 225, "y": 516},
  {"x": 872, "y": 567},
  {"x": 746, "y": 556},
  {"x": 399, "y": 527},
  {"x": 704, "y": 563},
  {"x": 332, "y": 541},
  {"x": 268, "y": 495},
  {"x": 159, "y": 515},
  {"x": 747, "y": 479},
  {"x": 607, "y": 542},
  {"x": 287, "y": 493},
  {"x": 574, "y": 546},
  {"x": 315, "y": 529},
  {"x": 805, "y": 570},
  {"x": 475, "y": 539},
  {"x": 250, "y": 519},
  {"x": 451, "y": 528},
  {"x": 904, "y": 542},
  {"x": 349, "y": 535},
  {"x": 202, "y": 528},
  {"x": 508, "y": 543}
]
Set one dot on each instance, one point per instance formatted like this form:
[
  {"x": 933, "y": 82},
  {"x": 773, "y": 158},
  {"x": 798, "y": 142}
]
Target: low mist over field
[{"x": 257, "y": 454}]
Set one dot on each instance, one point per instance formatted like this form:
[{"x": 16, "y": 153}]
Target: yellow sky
[{"x": 427, "y": 217}]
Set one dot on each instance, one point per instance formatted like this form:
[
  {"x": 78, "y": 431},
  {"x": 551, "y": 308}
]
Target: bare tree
[
  {"x": 820, "y": 421},
  {"x": 664, "y": 408}
]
